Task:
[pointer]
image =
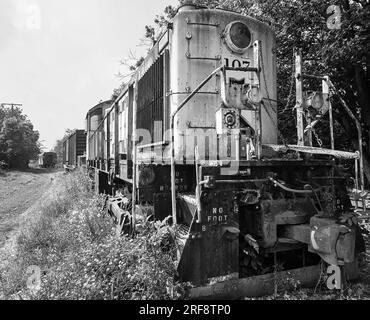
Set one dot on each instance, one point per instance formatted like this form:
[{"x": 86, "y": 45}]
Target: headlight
[
  {"x": 230, "y": 119},
  {"x": 238, "y": 36}
]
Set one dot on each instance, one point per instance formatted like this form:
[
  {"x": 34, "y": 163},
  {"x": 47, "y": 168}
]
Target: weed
[{"x": 75, "y": 245}]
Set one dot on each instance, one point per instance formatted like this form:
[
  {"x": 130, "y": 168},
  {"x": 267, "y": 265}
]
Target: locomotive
[
  {"x": 193, "y": 136},
  {"x": 48, "y": 160}
]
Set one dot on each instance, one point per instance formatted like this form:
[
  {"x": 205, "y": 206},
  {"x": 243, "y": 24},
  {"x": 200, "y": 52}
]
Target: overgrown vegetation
[
  {"x": 288, "y": 288},
  {"x": 75, "y": 245},
  {"x": 19, "y": 142}
]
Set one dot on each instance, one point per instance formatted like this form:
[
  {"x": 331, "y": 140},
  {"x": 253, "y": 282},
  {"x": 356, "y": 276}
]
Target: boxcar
[
  {"x": 48, "y": 160},
  {"x": 73, "y": 147}
]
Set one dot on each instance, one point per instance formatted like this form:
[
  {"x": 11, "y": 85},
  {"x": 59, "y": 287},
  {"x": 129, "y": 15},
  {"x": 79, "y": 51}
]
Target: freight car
[
  {"x": 194, "y": 136},
  {"x": 74, "y": 146},
  {"x": 98, "y": 148},
  {"x": 48, "y": 160}
]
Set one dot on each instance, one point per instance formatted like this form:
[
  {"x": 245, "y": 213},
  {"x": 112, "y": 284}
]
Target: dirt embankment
[{"x": 21, "y": 192}]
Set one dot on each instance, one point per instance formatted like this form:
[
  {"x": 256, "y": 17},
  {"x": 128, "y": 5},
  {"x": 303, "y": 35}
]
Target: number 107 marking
[{"x": 236, "y": 63}]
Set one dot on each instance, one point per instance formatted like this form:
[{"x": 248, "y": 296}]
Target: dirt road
[{"x": 20, "y": 191}]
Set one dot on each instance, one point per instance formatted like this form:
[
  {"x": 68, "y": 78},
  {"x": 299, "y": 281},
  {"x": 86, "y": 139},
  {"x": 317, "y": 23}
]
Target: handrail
[
  {"x": 223, "y": 70},
  {"x": 359, "y": 131},
  {"x": 313, "y": 150},
  {"x": 173, "y": 172}
]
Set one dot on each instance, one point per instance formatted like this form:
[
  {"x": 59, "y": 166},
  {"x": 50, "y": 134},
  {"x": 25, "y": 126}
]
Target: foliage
[
  {"x": 19, "y": 142},
  {"x": 151, "y": 34},
  {"x": 76, "y": 246}
]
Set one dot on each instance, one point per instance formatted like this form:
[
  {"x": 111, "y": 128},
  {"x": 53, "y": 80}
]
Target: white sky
[{"x": 59, "y": 57}]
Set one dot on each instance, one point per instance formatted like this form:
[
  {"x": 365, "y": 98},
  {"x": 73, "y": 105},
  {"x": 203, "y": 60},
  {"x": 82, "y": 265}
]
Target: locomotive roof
[
  {"x": 154, "y": 49},
  {"x": 99, "y": 105}
]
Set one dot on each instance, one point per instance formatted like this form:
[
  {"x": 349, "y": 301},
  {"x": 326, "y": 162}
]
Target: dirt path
[{"x": 20, "y": 194}]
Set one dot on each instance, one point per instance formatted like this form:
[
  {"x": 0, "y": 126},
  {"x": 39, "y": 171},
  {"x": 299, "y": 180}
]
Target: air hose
[{"x": 280, "y": 185}]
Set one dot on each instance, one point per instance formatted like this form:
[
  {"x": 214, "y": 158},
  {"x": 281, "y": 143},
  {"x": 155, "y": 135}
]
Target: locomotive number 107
[{"x": 236, "y": 63}]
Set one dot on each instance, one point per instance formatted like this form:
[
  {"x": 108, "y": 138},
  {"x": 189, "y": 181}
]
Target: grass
[
  {"x": 2, "y": 173},
  {"x": 75, "y": 247}
]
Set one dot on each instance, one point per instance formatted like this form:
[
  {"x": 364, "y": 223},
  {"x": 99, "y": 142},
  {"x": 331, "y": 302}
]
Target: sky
[{"x": 59, "y": 58}]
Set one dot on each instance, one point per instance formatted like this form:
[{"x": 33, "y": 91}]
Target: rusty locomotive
[{"x": 193, "y": 136}]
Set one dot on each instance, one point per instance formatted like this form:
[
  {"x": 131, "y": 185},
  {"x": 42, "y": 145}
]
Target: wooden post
[
  {"x": 310, "y": 140},
  {"x": 299, "y": 89},
  {"x": 326, "y": 93},
  {"x": 326, "y": 97}
]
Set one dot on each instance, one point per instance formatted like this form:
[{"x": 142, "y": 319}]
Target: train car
[
  {"x": 48, "y": 160},
  {"x": 74, "y": 146},
  {"x": 97, "y": 148},
  {"x": 194, "y": 137}
]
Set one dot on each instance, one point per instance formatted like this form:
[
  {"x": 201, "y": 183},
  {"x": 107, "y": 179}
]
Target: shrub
[
  {"x": 3, "y": 165},
  {"x": 80, "y": 256}
]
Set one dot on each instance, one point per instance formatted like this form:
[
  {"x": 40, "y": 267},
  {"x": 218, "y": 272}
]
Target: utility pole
[{"x": 12, "y": 105}]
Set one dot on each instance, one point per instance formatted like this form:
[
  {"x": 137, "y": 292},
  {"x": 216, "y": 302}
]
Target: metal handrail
[
  {"x": 223, "y": 70},
  {"x": 173, "y": 172},
  {"x": 359, "y": 131}
]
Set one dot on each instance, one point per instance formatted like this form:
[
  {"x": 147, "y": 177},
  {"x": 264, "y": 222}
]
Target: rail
[
  {"x": 173, "y": 170},
  {"x": 359, "y": 131}
]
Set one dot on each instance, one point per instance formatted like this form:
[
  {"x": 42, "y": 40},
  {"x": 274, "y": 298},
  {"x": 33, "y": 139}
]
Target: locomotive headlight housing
[
  {"x": 238, "y": 37},
  {"x": 230, "y": 119},
  {"x": 227, "y": 119}
]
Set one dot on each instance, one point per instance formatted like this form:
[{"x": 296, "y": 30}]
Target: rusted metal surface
[
  {"x": 263, "y": 285},
  {"x": 313, "y": 150},
  {"x": 333, "y": 242},
  {"x": 255, "y": 286}
]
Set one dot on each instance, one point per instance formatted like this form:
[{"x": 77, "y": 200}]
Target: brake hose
[{"x": 280, "y": 185}]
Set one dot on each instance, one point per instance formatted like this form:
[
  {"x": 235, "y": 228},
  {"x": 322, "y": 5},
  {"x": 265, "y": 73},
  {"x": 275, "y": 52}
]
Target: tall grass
[{"x": 75, "y": 245}]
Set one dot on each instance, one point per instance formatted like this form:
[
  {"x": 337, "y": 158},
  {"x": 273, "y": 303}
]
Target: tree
[
  {"x": 19, "y": 142},
  {"x": 132, "y": 63}
]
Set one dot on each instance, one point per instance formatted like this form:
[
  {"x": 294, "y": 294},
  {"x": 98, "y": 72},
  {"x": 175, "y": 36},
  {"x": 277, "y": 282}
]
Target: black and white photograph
[{"x": 184, "y": 151}]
